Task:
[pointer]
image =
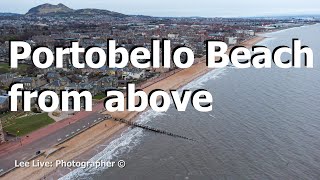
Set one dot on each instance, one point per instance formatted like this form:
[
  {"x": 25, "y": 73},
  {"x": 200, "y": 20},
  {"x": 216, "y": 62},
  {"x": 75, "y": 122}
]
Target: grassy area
[
  {"x": 99, "y": 96},
  {"x": 5, "y": 68},
  {"x": 25, "y": 125},
  {"x": 10, "y": 115}
]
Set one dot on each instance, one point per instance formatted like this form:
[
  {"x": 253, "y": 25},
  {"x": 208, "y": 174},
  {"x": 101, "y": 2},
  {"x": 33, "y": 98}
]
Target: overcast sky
[{"x": 205, "y": 8}]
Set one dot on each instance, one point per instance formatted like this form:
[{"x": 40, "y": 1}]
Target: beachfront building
[{"x": 231, "y": 40}]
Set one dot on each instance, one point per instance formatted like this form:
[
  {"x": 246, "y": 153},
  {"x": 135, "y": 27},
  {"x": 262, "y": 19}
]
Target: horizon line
[{"x": 183, "y": 16}]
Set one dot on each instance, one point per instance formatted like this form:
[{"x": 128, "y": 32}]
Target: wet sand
[{"x": 103, "y": 132}]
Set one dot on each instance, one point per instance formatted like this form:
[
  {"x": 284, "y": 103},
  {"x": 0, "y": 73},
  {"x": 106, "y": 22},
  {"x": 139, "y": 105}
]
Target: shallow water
[{"x": 265, "y": 125}]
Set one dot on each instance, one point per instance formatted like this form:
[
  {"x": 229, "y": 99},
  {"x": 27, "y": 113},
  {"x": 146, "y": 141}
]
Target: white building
[
  {"x": 250, "y": 32},
  {"x": 231, "y": 40}
]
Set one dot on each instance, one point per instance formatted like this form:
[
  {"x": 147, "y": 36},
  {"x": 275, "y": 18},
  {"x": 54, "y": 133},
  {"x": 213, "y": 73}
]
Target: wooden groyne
[{"x": 134, "y": 124}]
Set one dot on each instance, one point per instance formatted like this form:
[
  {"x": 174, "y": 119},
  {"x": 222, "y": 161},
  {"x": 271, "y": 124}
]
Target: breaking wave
[{"x": 133, "y": 136}]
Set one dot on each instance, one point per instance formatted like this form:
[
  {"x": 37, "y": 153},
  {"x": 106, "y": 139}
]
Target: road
[
  {"x": 48, "y": 136},
  {"x": 45, "y": 138}
]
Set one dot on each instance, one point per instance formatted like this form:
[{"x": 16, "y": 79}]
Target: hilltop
[
  {"x": 47, "y": 8},
  {"x": 62, "y": 10}
]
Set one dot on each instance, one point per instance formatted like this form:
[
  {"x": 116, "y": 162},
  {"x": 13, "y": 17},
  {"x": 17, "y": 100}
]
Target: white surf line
[{"x": 132, "y": 137}]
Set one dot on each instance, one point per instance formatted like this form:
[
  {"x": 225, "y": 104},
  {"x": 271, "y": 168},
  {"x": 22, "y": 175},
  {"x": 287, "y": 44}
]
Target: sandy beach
[{"x": 107, "y": 130}]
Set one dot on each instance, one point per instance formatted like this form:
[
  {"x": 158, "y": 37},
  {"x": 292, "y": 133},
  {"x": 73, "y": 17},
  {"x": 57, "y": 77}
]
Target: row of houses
[{"x": 57, "y": 82}]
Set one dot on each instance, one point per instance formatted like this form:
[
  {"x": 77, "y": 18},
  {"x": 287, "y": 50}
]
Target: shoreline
[{"x": 85, "y": 143}]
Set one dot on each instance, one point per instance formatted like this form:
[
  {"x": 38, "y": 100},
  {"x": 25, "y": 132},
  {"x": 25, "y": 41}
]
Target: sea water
[{"x": 265, "y": 124}]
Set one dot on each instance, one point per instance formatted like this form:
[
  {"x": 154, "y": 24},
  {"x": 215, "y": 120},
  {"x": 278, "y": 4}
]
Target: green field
[
  {"x": 25, "y": 125},
  {"x": 5, "y": 68},
  {"x": 99, "y": 96}
]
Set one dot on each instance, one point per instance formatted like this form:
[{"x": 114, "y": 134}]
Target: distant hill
[
  {"x": 63, "y": 10},
  {"x": 9, "y": 14},
  {"x": 98, "y": 12},
  {"x": 46, "y": 9}
]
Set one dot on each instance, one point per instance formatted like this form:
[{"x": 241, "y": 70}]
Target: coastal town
[{"x": 57, "y": 26}]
